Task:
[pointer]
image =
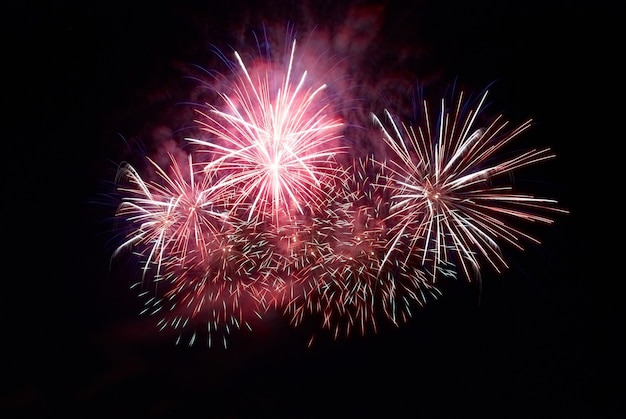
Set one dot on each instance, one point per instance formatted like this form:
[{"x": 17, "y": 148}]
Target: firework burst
[
  {"x": 172, "y": 217},
  {"x": 274, "y": 141},
  {"x": 446, "y": 203}
]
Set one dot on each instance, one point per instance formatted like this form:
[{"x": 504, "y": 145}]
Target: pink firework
[
  {"x": 171, "y": 219},
  {"x": 273, "y": 142},
  {"x": 446, "y": 204},
  {"x": 276, "y": 216},
  {"x": 206, "y": 265}
]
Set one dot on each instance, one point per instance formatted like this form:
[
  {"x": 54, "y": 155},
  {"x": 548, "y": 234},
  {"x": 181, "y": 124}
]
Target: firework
[
  {"x": 205, "y": 265},
  {"x": 274, "y": 141},
  {"x": 277, "y": 217},
  {"x": 172, "y": 218},
  {"x": 446, "y": 203},
  {"x": 222, "y": 293}
]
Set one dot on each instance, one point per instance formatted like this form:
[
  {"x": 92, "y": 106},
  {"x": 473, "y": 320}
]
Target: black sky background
[{"x": 528, "y": 343}]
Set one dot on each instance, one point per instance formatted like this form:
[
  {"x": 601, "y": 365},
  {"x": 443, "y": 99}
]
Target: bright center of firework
[
  {"x": 432, "y": 192},
  {"x": 433, "y": 195}
]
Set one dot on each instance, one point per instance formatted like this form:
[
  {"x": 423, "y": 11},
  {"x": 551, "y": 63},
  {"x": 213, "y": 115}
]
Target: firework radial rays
[
  {"x": 275, "y": 142},
  {"x": 445, "y": 197}
]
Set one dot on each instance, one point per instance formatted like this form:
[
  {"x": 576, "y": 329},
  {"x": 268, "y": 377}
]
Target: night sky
[{"x": 100, "y": 82}]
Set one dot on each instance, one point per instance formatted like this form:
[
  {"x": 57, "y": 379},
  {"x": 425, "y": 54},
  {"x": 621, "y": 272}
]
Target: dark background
[{"x": 530, "y": 342}]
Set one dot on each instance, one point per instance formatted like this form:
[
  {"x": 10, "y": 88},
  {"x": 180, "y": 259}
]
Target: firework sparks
[
  {"x": 205, "y": 264},
  {"x": 445, "y": 202},
  {"x": 173, "y": 219},
  {"x": 221, "y": 294},
  {"x": 275, "y": 142},
  {"x": 339, "y": 272}
]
